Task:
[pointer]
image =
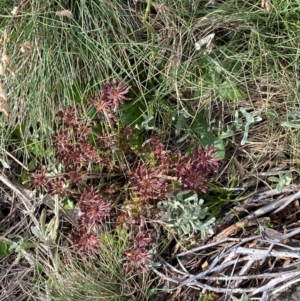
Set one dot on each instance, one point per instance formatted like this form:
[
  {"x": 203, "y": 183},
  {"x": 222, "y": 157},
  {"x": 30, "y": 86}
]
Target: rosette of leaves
[{"x": 185, "y": 214}]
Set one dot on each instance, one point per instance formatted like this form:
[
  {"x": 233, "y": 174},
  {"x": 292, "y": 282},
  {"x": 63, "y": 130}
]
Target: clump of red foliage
[{"x": 80, "y": 151}]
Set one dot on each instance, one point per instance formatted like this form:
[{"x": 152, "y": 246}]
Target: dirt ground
[{"x": 292, "y": 294}]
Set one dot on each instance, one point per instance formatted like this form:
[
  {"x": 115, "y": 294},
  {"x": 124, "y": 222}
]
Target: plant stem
[{"x": 146, "y": 23}]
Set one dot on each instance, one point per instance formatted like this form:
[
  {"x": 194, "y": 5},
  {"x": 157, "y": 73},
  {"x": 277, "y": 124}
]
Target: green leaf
[
  {"x": 288, "y": 178},
  {"x": 4, "y": 249},
  {"x": 229, "y": 91},
  {"x": 56, "y": 205},
  {"x": 280, "y": 185},
  {"x": 32, "y": 164},
  {"x": 186, "y": 228},
  {"x": 229, "y": 133},
  {"x": 183, "y": 138},
  {"x": 201, "y": 129},
  {"x": 25, "y": 176},
  {"x": 52, "y": 228},
  {"x": 43, "y": 221},
  {"x": 69, "y": 204},
  {"x": 273, "y": 179},
  {"x": 97, "y": 129},
  {"x": 250, "y": 118},
  {"x": 290, "y": 125},
  {"x": 243, "y": 298},
  {"x": 147, "y": 124},
  {"x": 36, "y": 147},
  {"x": 131, "y": 113},
  {"x": 5, "y": 163},
  {"x": 185, "y": 212},
  {"x": 220, "y": 147},
  {"x": 181, "y": 121},
  {"x": 284, "y": 180},
  {"x": 37, "y": 233}
]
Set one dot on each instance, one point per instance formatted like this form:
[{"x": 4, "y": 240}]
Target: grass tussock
[{"x": 72, "y": 277}]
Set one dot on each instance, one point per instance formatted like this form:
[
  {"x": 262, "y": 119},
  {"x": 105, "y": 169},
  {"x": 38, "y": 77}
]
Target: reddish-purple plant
[
  {"x": 67, "y": 116},
  {"x": 74, "y": 176},
  {"x": 148, "y": 184},
  {"x": 115, "y": 93},
  {"x": 193, "y": 172},
  {"x": 142, "y": 240},
  {"x": 136, "y": 259},
  {"x": 86, "y": 242},
  {"x": 162, "y": 156},
  {"x": 122, "y": 218},
  {"x": 205, "y": 158},
  {"x": 127, "y": 132},
  {"x": 92, "y": 207},
  {"x": 57, "y": 186},
  {"x": 76, "y": 155},
  {"x": 111, "y": 96},
  {"x": 62, "y": 139},
  {"x": 81, "y": 147},
  {"x": 101, "y": 105},
  {"x": 39, "y": 179}
]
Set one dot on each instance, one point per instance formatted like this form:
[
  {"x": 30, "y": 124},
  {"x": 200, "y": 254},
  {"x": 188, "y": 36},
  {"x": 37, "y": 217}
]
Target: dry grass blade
[
  {"x": 3, "y": 101},
  {"x": 18, "y": 9},
  {"x": 266, "y": 5},
  {"x": 23, "y": 197},
  {"x": 17, "y": 267}
]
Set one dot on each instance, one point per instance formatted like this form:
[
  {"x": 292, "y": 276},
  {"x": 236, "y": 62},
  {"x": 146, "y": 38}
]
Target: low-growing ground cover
[{"x": 134, "y": 131}]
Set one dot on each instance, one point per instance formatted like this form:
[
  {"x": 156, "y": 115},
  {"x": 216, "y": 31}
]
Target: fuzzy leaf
[
  {"x": 291, "y": 125},
  {"x": 43, "y": 221},
  {"x": 186, "y": 214},
  {"x": 5, "y": 163},
  {"x": 273, "y": 179},
  {"x": 243, "y": 298},
  {"x": 37, "y": 233}
]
